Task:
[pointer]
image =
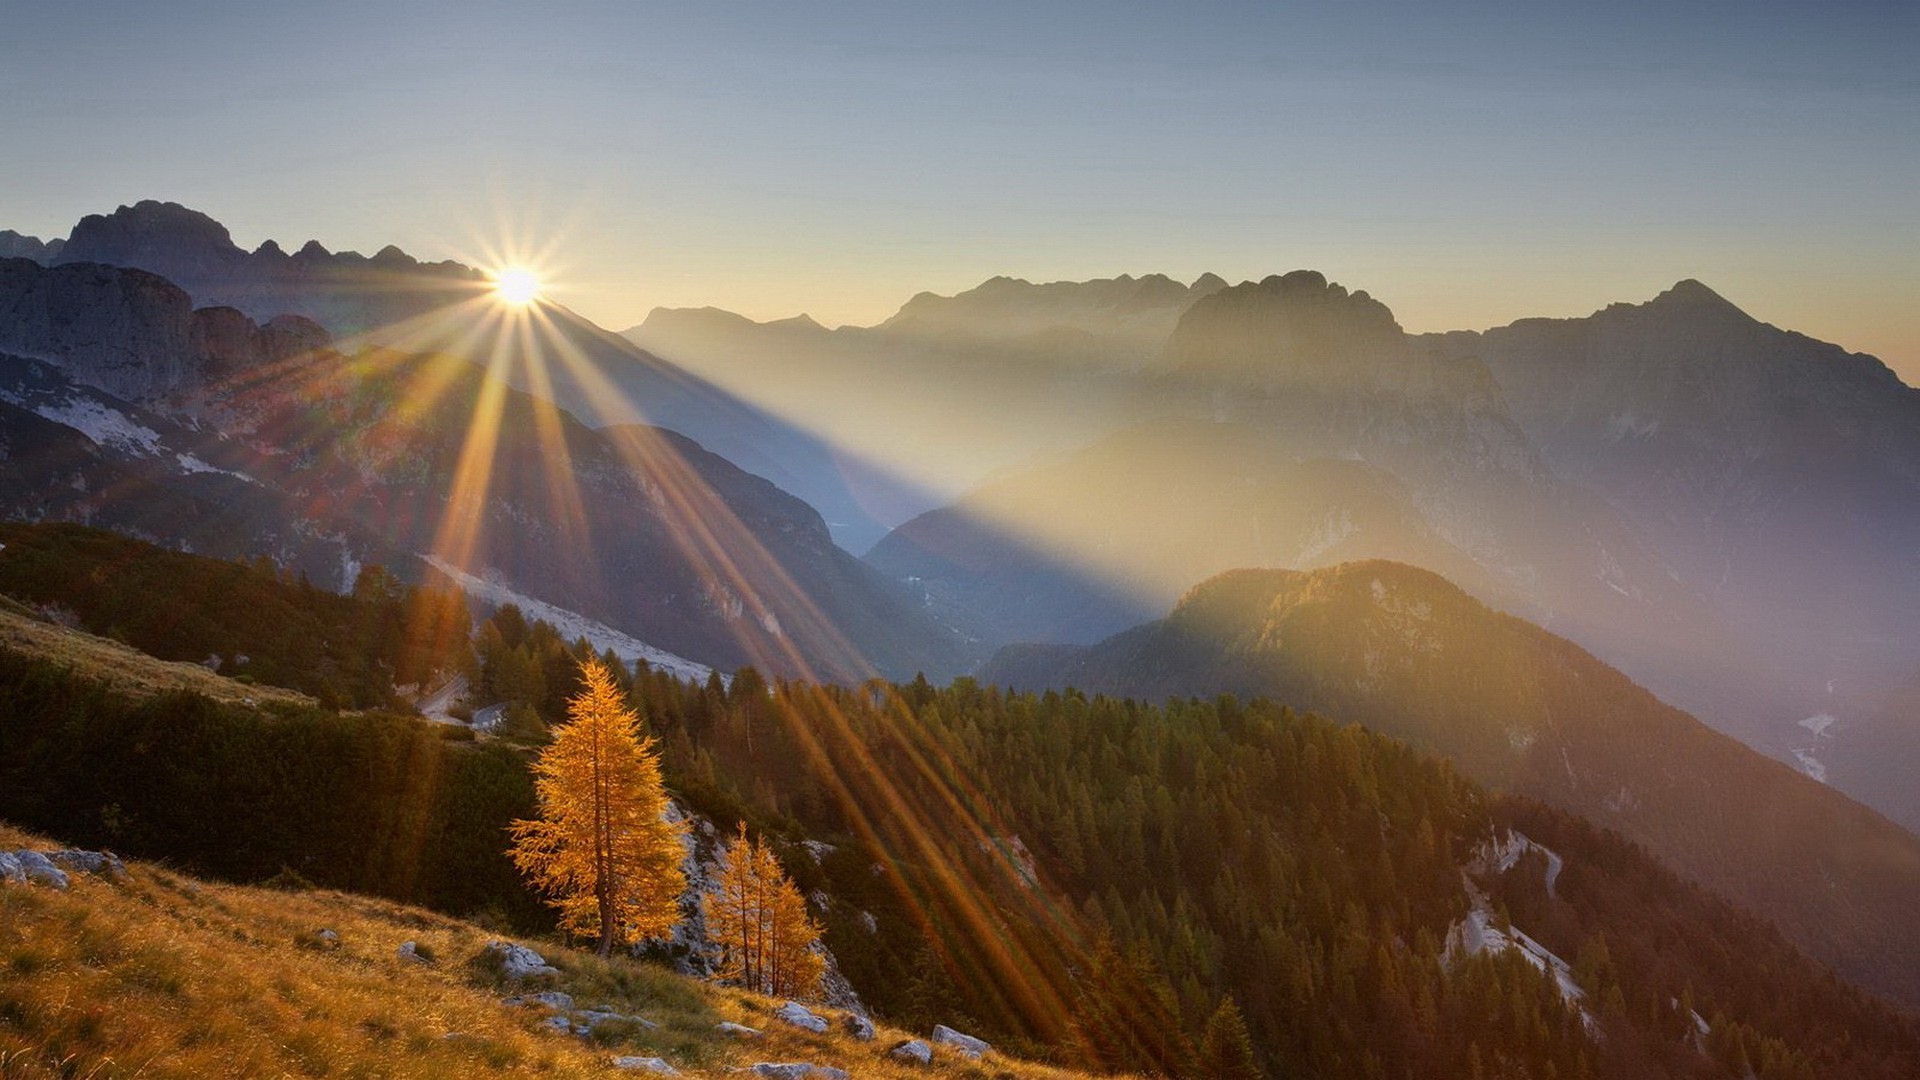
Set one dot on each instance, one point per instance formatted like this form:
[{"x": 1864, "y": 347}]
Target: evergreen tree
[
  {"x": 1226, "y": 1047},
  {"x": 760, "y": 921},
  {"x": 601, "y": 848}
]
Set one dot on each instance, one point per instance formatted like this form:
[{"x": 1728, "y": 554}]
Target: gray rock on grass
[
  {"x": 635, "y": 1063},
  {"x": 965, "y": 1044},
  {"x": 518, "y": 961},
  {"x": 801, "y": 1017},
  {"x": 914, "y": 1051}
]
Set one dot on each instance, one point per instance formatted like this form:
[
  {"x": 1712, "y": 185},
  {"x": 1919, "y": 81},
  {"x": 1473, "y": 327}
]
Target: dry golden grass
[
  {"x": 164, "y": 976},
  {"x": 127, "y": 670}
]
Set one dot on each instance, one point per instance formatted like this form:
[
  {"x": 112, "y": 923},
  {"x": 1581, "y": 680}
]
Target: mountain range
[
  {"x": 1713, "y": 507},
  {"x": 123, "y": 405}
]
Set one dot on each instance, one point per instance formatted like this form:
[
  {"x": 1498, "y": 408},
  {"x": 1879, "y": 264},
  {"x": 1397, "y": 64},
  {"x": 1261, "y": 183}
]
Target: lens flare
[{"x": 517, "y": 286}]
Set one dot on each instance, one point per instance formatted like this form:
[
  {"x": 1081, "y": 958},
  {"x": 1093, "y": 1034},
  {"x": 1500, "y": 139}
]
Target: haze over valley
[{"x": 1300, "y": 544}]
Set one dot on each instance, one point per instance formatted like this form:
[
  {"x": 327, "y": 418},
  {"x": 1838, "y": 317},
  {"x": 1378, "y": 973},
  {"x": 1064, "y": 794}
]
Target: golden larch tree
[
  {"x": 760, "y": 921},
  {"x": 602, "y": 849}
]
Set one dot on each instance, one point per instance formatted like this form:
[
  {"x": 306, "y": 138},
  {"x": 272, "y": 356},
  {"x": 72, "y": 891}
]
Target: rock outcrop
[
  {"x": 797, "y": 1015},
  {"x": 962, "y": 1043},
  {"x": 517, "y": 961},
  {"x": 915, "y": 1051},
  {"x": 52, "y": 869},
  {"x": 797, "y": 1071}
]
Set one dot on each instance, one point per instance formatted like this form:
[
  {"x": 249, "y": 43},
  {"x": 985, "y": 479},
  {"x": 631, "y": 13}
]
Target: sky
[{"x": 1468, "y": 164}]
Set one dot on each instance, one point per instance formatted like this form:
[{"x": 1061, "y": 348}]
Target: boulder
[
  {"x": 40, "y": 870},
  {"x": 103, "y": 864},
  {"x": 797, "y": 1070},
  {"x": 857, "y": 1026},
  {"x": 587, "y": 1019},
  {"x": 517, "y": 961},
  {"x": 800, "y": 1016},
  {"x": 645, "y": 1064},
  {"x": 737, "y": 1031},
  {"x": 912, "y": 1050},
  {"x": 326, "y": 938},
  {"x": 11, "y": 872},
  {"x": 965, "y": 1044},
  {"x": 410, "y": 952}
]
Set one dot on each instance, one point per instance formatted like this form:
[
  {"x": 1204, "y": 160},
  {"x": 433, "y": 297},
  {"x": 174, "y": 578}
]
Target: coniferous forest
[{"x": 1173, "y": 871}]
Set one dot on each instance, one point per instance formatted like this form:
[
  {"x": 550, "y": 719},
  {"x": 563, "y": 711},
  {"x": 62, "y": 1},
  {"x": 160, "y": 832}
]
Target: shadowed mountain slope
[{"x": 1405, "y": 652}]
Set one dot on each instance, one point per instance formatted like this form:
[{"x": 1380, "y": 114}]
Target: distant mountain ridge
[
  {"x": 1408, "y": 654},
  {"x": 121, "y": 405},
  {"x": 1778, "y": 474},
  {"x": 347, "y": 292}
]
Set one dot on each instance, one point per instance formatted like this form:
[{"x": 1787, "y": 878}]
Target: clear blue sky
[{"x": 1467, "y": 163}]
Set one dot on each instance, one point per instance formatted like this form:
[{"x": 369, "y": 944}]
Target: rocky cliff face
[
  {"x": 133, "y": 334},
  {"x": 347, "y": 293},
  {"x": 125, "y": 408},
  {"x": 13, "y": 245},
  {"x": 1779, "y": 475}
]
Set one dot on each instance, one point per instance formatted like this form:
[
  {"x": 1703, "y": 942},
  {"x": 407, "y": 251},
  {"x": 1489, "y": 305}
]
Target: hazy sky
[{"x": 1467, "y": 163}]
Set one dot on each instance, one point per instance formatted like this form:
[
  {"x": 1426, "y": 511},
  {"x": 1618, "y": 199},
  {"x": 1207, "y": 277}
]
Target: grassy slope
[
  {"x": 167, "y": 976},
  {"x": 124, "y": 669}
]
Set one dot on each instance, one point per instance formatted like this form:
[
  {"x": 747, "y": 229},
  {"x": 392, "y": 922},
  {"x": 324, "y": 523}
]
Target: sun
[{"x": 516, "y": 285}]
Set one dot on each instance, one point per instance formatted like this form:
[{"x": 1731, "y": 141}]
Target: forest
[{"x": 1094, "y": 880}]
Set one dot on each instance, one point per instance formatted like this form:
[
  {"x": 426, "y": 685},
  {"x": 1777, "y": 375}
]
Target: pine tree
[
  {"x": 602, "y": 849},
  {"x": 1226, "y": 1047},
  {"x": 760, "y": 921}
]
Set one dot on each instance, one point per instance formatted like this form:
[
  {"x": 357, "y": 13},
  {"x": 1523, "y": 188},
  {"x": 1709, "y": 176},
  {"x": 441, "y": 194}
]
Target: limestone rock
[
  {"x": 103, "y": 864},
  {"x": 587, "y": 1019},
  {"x": 517, "y": 961},
  {"x": 409, "y": 951},
  {"x": 11, "y": 872},
  {"x": 800, "y": 1016},
  {"x": 797, "y": 1071},
  {"x": 857, "y": 1026},
  {"x": 912, "y": 1050},
  {"x": 966, "y": 1045},
  {"x": 645, "y": 1064},
  {"x": 40, "y": 870},
  {"x": 737, "y": 1031}
]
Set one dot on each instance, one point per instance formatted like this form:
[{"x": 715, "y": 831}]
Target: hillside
[
  {"x": 1519, "y": 709},
  {"x": 163, "y": 975},
  {"x": 126, "y": 407},
  {"x": 1170, "y": 864},
  {"x": 122, "y": 668}
]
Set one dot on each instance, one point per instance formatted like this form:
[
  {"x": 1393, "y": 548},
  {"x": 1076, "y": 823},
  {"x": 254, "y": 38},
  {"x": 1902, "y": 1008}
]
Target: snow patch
[
  {"x": 1811, "y": 765},
  {"x": 105, "y": 426},
  {"x": 573, "y": 625},
  {"x": 1478, "y": 933},
  {"x": 1820, "y": 723},
  {"x": 191, "y": 464}
]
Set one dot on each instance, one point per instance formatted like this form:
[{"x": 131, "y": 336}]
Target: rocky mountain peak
[
  {"x": 1691, "y": 297},
  {"x": 147, "y": 229},
  {"x": 15, "y": 245},
  {"x": 1296, "y": 325}
]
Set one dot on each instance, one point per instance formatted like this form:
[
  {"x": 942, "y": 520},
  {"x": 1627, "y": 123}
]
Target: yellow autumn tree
[
  {"x": 602, "y": 849},
  {"x": 759, "y": 919}
]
